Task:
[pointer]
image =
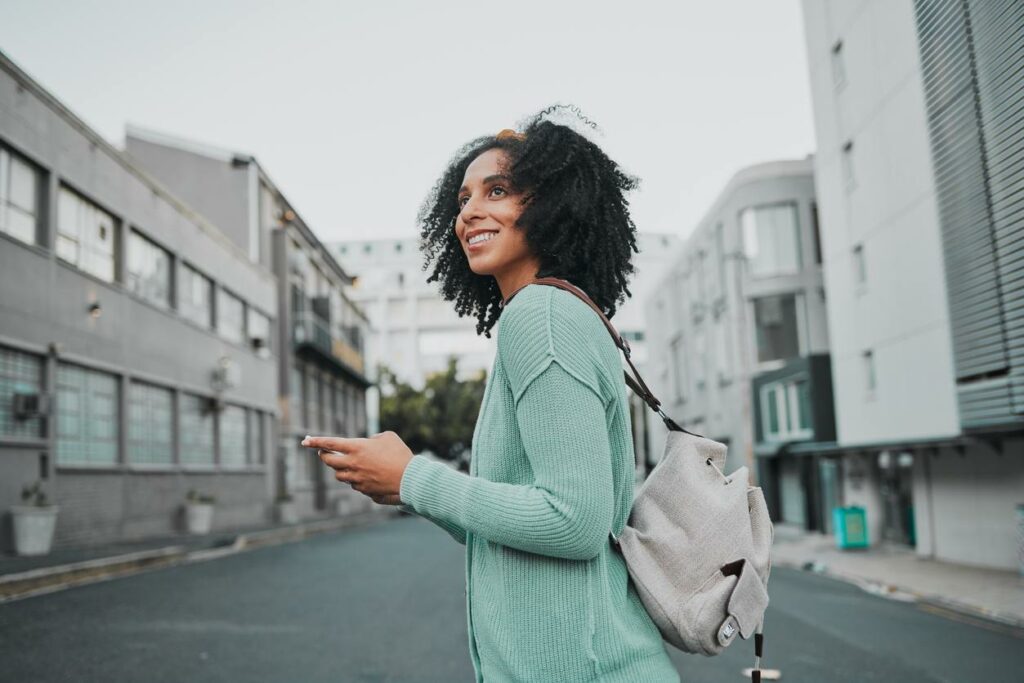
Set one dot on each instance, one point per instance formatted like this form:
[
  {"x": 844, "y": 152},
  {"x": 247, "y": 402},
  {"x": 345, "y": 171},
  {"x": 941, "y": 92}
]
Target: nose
[{"x": 471, "y": 210}]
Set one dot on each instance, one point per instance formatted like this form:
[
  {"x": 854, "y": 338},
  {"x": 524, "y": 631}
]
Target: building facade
[
  {"x": 739, "y": 345},
  {"x": 136, "y": 358},
  {"x": 321, "y": 374},
  {"x": 919, "y": 128}
]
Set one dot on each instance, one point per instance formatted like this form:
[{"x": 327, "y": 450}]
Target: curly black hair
[{"x": 575, "y": 216}]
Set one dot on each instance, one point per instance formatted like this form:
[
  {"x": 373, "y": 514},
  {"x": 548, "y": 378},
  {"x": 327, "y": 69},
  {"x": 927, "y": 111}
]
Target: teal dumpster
[{"x": 851, "y": 527}]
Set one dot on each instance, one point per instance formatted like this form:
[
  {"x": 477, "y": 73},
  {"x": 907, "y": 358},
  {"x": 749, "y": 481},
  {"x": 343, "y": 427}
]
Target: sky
[{"x": 354, "y": 108}]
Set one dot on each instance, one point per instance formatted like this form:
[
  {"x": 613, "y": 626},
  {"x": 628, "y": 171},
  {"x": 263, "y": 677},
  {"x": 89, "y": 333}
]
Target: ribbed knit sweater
[{"x": 549, "y": 600}]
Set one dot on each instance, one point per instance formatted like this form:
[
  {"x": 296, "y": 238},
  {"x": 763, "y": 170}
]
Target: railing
[{"x": 310, "y": 329}]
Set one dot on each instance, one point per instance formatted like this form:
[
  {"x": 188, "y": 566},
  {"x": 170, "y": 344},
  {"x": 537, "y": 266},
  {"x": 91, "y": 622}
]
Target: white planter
[
  {"x": 286, "y": 512},
  {"x": 33, "y": 528},
  {"x": 199, "y": 517}
]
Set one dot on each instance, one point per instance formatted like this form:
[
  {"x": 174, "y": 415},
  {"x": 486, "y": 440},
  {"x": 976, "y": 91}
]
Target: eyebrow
[{"x": 490, "y": 179}]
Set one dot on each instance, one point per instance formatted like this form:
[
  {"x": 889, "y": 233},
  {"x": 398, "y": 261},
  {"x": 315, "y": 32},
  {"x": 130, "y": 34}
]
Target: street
[{"x": 387, "y": 603}]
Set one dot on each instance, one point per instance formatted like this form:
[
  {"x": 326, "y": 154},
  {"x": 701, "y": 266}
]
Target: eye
[
  {"x": 462, "y": 200},
  {"x": 499, "y": 189}
]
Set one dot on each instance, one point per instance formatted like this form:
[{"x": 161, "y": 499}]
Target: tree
[{"x": 441, "y": 418}]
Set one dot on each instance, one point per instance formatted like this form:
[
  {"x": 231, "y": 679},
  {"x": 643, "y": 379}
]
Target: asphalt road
[{"x": 387, "y": 603}]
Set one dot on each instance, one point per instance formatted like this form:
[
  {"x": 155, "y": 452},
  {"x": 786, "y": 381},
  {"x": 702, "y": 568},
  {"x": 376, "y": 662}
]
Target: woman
[{"x": 552, "y": 469}]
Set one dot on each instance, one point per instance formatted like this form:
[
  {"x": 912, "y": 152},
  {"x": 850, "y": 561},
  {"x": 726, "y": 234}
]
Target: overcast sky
[{"x": 354, "y": 108}]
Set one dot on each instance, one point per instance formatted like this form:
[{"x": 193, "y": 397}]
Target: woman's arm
[
  {"x": 454, "y": 530},
  {"x": 567, "y": 511}
]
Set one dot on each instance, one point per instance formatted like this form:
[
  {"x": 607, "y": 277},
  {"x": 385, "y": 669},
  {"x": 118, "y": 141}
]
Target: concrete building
[
  {"x": 919, "y": 126},
  {"x": 414, "y": 331},
  {"x": 136, "y": 358},
  {"x": 739, "y": 347},
  {"x": 321, "y": 333}
]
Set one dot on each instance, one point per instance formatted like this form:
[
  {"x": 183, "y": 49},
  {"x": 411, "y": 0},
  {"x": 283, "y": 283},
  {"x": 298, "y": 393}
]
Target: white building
[
  {"x": 922, "y": 265},
  {"x": 737, "y": 334}
]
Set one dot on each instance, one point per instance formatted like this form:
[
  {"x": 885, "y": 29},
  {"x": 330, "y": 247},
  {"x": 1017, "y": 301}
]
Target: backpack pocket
[{"x": 729, "y": 602}]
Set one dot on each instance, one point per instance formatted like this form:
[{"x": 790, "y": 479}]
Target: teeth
[{"x": 482, "y": 237}]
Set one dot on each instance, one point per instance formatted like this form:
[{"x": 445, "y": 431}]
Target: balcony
[{"x": 311, "y": 332}]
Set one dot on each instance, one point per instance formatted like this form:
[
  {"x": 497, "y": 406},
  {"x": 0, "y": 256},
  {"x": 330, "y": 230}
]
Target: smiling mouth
[{"x": 486, "y": 237}]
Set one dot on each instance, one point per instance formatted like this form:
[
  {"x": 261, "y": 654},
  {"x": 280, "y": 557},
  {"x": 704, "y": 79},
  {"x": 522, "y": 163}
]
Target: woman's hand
[{"x": 373, "y": 466}]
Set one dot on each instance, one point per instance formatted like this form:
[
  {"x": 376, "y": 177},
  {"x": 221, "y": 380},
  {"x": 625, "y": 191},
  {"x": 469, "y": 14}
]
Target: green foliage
[
  {"x": 34, "y": 495},
  {"x": 194, "y": 496},
  {"x": 440, "y": 418}
]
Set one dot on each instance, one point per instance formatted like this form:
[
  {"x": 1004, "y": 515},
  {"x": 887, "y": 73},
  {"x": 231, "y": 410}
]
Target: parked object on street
[
  {"x": 698, "y": 541},
  {"x": 851, "y": 527},
  {"x": 199, "y": 512},
  {"x": 34, "y": 522},
  {"x": 284, "y": 509}
]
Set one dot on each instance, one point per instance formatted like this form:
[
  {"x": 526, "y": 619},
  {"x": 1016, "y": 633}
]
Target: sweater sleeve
[
  {"x": 567, "y": 511},
  {"x": 454, "y": 530}
]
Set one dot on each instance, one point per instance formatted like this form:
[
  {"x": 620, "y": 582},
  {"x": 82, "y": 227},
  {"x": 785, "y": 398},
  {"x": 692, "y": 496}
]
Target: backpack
[{"x": 698, "y": 541}]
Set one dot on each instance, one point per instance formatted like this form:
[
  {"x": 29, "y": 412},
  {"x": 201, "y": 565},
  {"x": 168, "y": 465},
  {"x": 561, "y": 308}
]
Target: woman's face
[{"x": 489, "y": 208}]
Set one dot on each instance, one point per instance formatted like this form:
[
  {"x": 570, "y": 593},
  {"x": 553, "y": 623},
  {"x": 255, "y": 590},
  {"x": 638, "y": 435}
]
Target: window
[
  {"x": 860, "y": 275},
  {"x": 150, "y": 424},
  {"x": 257, "y": 441},
  {"x": 149, "y": 270},
  {"x": 230, "y": 316},
  {"x": 775, "y": 320},
  {"x": 296, "y": 401},
  {"x": 259, "y": 332},
  {"x": 85, "y": 235},
  {"x": 19, "y": 197},
  {"x": 771, "y": 239},
  {"x": 197, "y": 429},
  {"x": 869, "y": 373},
  {"x": 87, "y": 416},
  {"x": 786, "y": 410},
  {"x": 838, "y": 68},
  {"x": 231, "y": 437},
  {"x": 194, "y": 292},
  {"x": 849, "y": 178},
  {"x": 20, "y": 374},
  {"x": 312, "y": 395},
  {"x": 817, "y": 232}
]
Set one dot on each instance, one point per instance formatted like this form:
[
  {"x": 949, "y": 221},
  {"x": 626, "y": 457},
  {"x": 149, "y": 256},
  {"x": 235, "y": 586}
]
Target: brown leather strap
[{"x": 637, "y": 385}]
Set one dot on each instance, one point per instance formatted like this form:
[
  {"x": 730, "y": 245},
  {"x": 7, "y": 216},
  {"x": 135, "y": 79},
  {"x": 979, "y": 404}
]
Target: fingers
[
  {"x": 334, "y": 443},
  {"x": 336, "y": 460}
]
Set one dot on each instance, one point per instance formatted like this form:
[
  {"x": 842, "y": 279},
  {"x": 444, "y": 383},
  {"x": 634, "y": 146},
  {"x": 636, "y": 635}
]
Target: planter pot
[
  {"x": 286, "y": 513},
  {"x": 199, "y": 517},
  {"x": 33, "y": 528}
]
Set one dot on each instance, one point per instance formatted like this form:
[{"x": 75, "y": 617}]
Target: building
[
  {"x": 919, "y": 128},
  {"x": 414, "y": 331},
  {"x": 321, "y": 372},
  {"x": 136, "y": 354},
  {"x": 739, "y": 347}
]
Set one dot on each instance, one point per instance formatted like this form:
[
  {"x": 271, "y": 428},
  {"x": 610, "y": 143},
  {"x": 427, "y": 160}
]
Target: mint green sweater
[{"x": 549, "y": 600}]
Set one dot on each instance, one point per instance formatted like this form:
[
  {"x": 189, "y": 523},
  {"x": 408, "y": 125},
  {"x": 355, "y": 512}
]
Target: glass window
[
  {"x": 786, "y": 410},
  {"x": 230, "y": 316},
  {"x": 85, "y": 235},
  {"x": 87, "y": 416},
  {"x": 231, "y": 436},
  {"x": 19, "y": 197},
  {"x": 771, "y": 239},
  {"x": 20, "y": 373},
  {"x": 149, "y": 270},
  {"x": 256, "y": 437},
  {"x": 150, "y": 424},
  {"x": 259, "y": 331},
  {"x": 775, "y": 319},
  {"x": 197, "y": 428},
  {"x": 194, "y": 292}
]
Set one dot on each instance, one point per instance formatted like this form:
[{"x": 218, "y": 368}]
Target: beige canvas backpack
[{"x": 698, "y": 541}]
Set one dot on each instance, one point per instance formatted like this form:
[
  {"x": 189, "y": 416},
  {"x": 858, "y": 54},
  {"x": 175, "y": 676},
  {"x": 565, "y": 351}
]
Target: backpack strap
[{"x": 637, "y": 385}]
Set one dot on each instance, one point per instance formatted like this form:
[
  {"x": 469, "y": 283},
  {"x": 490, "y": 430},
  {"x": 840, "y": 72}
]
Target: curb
[
  {"x": 904, "y": 594},
  {"x": 46, "y": 580}
]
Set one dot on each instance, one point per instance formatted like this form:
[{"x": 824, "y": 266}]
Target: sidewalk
[
  {"x": 22, "y": 577},
  {"x": 897, "y": 572}
]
